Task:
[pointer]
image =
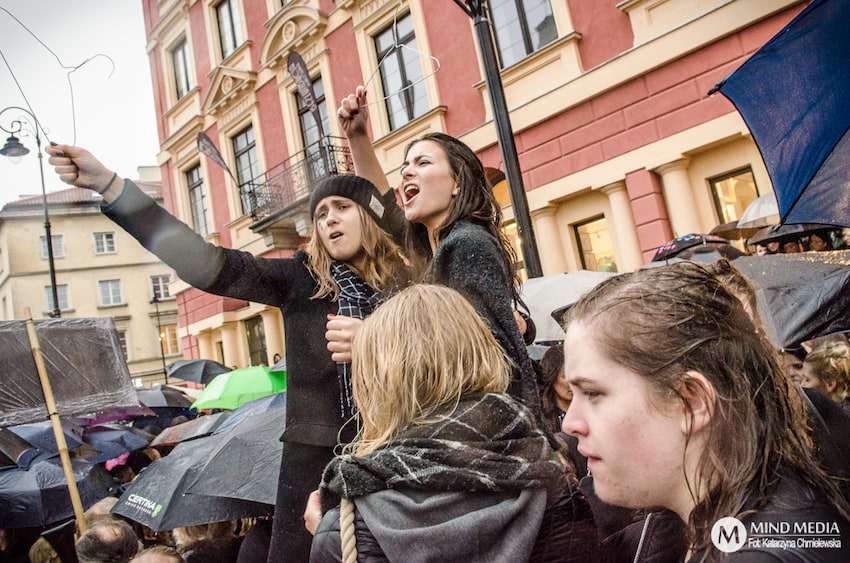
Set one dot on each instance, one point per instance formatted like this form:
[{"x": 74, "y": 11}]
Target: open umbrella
[
  {"x": 280, "y": 365},
  {"x": 544, "y": 295},
  {"x": 15, "y": 451},
  {"x": 792, "y": 93},
  {"x": 800, "y": 296},
  {"x": 232, "y": 389},
  {"x": 157, "y": 497},
  {"x": 678, "y": 245},
  {"x": 732, "y": 231},
  {"x": 158, "y": 397},
  {"x": 38, "y": 496},
  {"x": 196, "y": 428},
  {"x": 112, "y": 442},
  {"x": 111, "y": 415},
  {"x": 761, "y": 212},
  {"x": 273, "y": 402},
  {"x": 788, "y": 233},
  {"x": 244, "y": 462},
  {"x": 199, "y": 371}
]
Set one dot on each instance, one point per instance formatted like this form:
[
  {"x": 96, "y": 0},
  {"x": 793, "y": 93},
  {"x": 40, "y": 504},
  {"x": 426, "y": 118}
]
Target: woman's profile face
[
  {"x": 634, "y": 445},
  {"x": 813, "y": 381}
]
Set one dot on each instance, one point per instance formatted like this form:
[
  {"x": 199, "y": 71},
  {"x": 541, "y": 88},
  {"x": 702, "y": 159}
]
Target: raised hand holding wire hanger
[{"x": 353, "y": 115}]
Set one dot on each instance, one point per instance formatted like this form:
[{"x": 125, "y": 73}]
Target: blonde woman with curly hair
[
  {"x": 827, "y": 369},
  {"x": 447, "y": 466},
  {"x": 350, "y": 265}
]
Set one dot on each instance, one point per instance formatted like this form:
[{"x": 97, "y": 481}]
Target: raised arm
[
  {"x": 77, "y": 167},
  {"x": 353, "y": 116}
]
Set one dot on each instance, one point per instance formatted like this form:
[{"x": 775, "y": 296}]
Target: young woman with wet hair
[
  {"x": 455, "y": 229},
  {"x": 350, "y": 263},
  {"x": 447, "y": 467},
  {"x": 678, "y": 402}
]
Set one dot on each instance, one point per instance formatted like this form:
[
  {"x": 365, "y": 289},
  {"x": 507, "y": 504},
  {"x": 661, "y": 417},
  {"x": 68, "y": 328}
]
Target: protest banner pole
[{"x": 50, "y": 402}]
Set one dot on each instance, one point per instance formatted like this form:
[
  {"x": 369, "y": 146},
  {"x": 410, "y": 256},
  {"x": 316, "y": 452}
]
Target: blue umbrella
[
  {"x": 792, "y": 93},
  {"x": 251, "y": 409},
  {"x": 113, "y": 443}
]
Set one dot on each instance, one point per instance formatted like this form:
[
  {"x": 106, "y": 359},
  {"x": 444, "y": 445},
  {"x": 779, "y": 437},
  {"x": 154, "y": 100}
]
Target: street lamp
[
  {"x": 155, "y": 302},
  {"x": 15, "y": 150},
  {"x": 476, "y": 9}
]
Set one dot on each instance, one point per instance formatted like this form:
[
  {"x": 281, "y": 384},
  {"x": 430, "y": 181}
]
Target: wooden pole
[{"x": 50, "y": 402}]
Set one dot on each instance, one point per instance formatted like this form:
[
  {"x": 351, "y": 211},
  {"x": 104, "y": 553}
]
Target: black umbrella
[
  {"x": 802, "y": 295},
  {"x": 157, "y": 497},
  {"x": 788, "y": 233},
  {"x": 39, "y": 495},
  {"x": 15, "y": 451},
  {"x": 679, "y": 244},
  {"x": 792, "y": 93},
  {"x": 199, "y": 371},
  {"x": 113, "y": 442},
  {"x": 163, "y": 398},
  {"x": 40, "y": 435},
  {"x": 195, "y": 428},
  {"x": 731, "y": 231},
  {"x": 244, "y": 463}
]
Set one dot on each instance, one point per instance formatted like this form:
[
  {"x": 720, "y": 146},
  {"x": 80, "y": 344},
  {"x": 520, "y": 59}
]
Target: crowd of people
[{"x": 418, "y": 428}]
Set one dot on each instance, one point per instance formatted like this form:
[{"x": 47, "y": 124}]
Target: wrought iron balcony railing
[{"x": 287, "y": 184}]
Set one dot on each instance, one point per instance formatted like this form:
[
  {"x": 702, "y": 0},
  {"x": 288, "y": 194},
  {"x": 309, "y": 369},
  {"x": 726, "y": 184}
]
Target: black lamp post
[
  {"x": 476, "y": 9},
  {"x": 14, "y": 149},
  {"x": 155, "y": 302}
]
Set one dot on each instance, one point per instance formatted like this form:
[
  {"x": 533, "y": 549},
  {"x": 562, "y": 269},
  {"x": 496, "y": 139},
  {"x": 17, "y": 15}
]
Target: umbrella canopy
[
  {"x": 280, "y": 365},
  {"x": 196, "y": 428},
  {"x": 800, "y": 121},
  {"x": 111, "y": 415},
  {"x": 112, "y": 443},
  {"x": 546, "y": 294},
  {"x": 787, "y": 233},
  {"x": 199, "y": 371},
  {"x": 163, "y": 398},
  {"x": 235, "y": 388},
  {"x": 800, "y": 296},
  {"x": 762, "y": 212},
  {"x": 15, "y": 451},
  {"x": 731, "y": 231},
  {"x": 39, "y": 495},
  {"x": 679, "y": 244},
  {"x": 273, "y": 402},
  {"x": 254, "y": 447},
  {"x": 157, "y": 497}
]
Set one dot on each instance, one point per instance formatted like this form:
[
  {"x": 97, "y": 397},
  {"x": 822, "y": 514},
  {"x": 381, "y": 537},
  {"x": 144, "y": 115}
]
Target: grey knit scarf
[{"x": 489, "y": 442}]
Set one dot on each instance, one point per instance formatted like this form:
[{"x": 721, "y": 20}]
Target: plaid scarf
[
  {"x": 356, "y": 300},
  {"x": 486, "y": 442}
]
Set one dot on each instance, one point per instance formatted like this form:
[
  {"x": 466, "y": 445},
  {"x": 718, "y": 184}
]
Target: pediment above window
[
  {"x": 297, "y": 28},
  {"x": 227, "y": 87}
]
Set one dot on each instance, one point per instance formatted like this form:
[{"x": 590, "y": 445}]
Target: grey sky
[{"x": 115, "y": 116}]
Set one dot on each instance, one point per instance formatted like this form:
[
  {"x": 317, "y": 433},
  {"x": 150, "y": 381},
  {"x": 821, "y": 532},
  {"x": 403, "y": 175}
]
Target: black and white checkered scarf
[
  {"x": 356, "y": 300},
  {"x": 486, "y": 442}
]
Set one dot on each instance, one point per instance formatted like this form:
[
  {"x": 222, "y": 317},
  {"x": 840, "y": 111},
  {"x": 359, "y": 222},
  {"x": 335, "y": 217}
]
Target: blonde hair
[
  {"x": 383, "y": 269},
  {"x": 831, "y": 362},
  {"x": 188, "y": 535},
  {"x": 424, "y": 348}
]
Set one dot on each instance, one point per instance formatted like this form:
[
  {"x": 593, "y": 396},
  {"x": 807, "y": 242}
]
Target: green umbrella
[{"x": 234, "y": 388}]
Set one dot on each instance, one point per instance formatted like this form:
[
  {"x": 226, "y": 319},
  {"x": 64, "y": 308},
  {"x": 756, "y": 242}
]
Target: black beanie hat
[{"x": 356, "y": 188}]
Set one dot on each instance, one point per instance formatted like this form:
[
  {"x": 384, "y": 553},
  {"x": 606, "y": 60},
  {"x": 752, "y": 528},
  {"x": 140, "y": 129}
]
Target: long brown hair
[
  {"x": 424, "y": 348},
  {"x": 384, "y": 268},
  {"x": 662, "y": 323},
  {"x": 475, "y": 199}
]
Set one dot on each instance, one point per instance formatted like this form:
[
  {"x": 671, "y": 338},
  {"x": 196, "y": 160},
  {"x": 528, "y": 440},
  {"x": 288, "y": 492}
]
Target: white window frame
[
  {"x": 58, "y": 246},
  {"x": 111, "y": 293},
  {"x": 108, "y": 237},
  {"x": 181, "y": 45},
  {"x": 235, "y": 27},
  {"x": 168, "y": 337},
  {"x": 157, "y": 283},
  {"x": 62, "y": 293}
]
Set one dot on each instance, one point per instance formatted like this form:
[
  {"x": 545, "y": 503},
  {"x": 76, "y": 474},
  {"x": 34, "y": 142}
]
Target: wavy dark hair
[
  {"x": 663, "y": 322},
  {"x": 475, "y": 199}
]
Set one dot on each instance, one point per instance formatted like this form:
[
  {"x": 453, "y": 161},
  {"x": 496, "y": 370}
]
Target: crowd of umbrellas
[{"x": 193, "y": 484}]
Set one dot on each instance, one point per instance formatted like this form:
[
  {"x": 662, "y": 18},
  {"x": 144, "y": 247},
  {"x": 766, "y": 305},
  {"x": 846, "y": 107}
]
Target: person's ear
[
  {"x": 699, "y": 398},
  {"x": 455, "y": 190},
  {"x": 831, "y": 386}
]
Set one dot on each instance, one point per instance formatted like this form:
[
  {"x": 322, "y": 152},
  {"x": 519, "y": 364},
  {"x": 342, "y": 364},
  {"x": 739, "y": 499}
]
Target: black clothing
[{"x": 313, "y": 418}]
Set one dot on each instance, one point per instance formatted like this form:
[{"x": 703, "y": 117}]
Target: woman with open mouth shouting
[
  {"x": 455, "y": 229},
  {"x": 348, "y": 266}
]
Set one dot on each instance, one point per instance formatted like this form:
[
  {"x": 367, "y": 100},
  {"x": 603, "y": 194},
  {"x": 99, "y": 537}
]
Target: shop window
[
  {"x": 732, "y": 193},
  {"x": 256, "y": 341}
]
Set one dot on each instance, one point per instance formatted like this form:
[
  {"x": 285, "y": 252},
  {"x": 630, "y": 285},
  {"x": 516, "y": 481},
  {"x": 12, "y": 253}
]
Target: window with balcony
[
  {"x": 180, "y": 65},
  {"x": 317, "y": 166},
  {"x": 401, "y": 73},
  {"x": 595, "y": 246},
  {"x": 227, "y": 17},
  {"x": 159, "y": 286},
  {"x": 732, "y": 193},
  {"x": 247, "y": 167},
  {"x": 110, "y": 292},
  {"x": 197, "y": 201},
  {"x": 104, "y": 243},
  {"x": 61, "y": 293},
  {"x": 58, "y": 246},
  {"x": 521, "y": 27}
]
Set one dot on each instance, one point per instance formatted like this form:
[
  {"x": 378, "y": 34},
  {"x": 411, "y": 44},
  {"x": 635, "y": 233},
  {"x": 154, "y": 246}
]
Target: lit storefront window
[
  {"x": 594, "y": 245},
  {"x": 732, "y": 193}
]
